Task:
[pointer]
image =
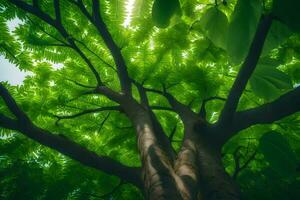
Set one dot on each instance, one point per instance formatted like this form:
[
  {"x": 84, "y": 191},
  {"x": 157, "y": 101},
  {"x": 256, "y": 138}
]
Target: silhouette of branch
[
  {"x": 143, "y": 93},
  {"x": 284, "y": 106},
  {"x": 85, "y": 112},
  {"x": 82, "y": 94},
  {"x": 103, "y": 122},
  {"x": 182, "y": 110},
  {"x": 162, "y": 108},
  {"x": 161, "y": 135},
  {"x": 202, "y": 112},
  {"x": 80, "y": 84},
  {"x": 92, "y": 52},
  {"x": 63, "y": 43},
  {"x": 173, "y": 133},
  {"x": 96, "y": 19},
  {"x": 57, "y": 10},
  {"x": 64, "y": 145},
  {"x": 246, "y": 70}
]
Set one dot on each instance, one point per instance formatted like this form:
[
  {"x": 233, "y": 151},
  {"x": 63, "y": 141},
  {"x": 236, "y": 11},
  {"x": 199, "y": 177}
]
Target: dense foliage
[{"x": 191, "y": 48}]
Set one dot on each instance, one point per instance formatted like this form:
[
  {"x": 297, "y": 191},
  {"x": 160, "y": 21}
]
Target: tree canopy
[{"x": 206, "y": 55}]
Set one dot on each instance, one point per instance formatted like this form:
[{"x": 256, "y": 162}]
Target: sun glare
[{"x": 129, "y": 9}]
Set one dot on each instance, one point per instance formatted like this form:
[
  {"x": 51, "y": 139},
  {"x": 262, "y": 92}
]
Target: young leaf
[
  {"x": 214, "y": 24},
  {"x": 163, "y": 11},
  {"x": 268, "y": 82},
  {"x": 277, "y": 35}
]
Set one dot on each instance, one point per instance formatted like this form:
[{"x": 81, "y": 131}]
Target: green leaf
[
  {"x": 214, "y": 24},
  {"x": 268, "y": 82},
  {"x": 163, "y": 11},
  {"x": 288, "y": 12},
  {"x": 278, "y": 153},
  {"x": 276, "y": 36},
  {"x": 294, "y": 71},
  {"x": 242, "y": 28}
]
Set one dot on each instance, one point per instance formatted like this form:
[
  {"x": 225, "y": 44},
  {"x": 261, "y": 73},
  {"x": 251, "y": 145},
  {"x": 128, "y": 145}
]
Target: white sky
[{"x": 8, "y": 71}]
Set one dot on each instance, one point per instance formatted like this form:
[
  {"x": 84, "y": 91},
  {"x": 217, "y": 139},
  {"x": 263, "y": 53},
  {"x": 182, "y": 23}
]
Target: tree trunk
[
  {"x": 197, "y": 174},
  {"x": 197, "y": 171},
  {"x": 215, "y": 183}
]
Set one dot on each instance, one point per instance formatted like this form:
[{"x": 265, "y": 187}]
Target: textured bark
[
  {"x": 157, "y": 168},
  {"x": 187, "y": 169},
  {"x": 197, "y": 172},
  {"x": 215, "y": 183}
]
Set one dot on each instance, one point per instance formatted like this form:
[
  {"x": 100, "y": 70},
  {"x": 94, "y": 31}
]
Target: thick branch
[
  {"x": 113, "y": 47},
  {"x": 284, "y": 106},
  {"x": 160, "y": 134},
  {"x": 63, "y": 144},
  {"x": 11, "y": 104},
  {"x": 109, "y": 93},
  {"x": 246, "y": 70}
]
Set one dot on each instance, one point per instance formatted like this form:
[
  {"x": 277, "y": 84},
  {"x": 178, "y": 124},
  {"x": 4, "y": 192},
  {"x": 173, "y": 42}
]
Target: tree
[{"x": 160, "y": 104}]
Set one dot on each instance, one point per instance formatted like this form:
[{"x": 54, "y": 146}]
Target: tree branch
[
  {"x": 63, "y": 144},
  {"x": 202, "y": 111},
  {"x": 80, "y": 84},
  {"x": 11, "y": 104},
  {"x": 115, "y": 51},
  {"x": 57, "y": 11},
  {"x": 82, "y": 94},
  {"x": 58, "y": 26},
  {"x": 113, "y": 47},
  {"x": 88, "y": 111},
  {"x": 111, "y": 94},
  {"x": 182, "y": 110},
  {"x": 35, "y": 3},
  {"x": 92, "y": 52},
  {"x": 142, "y": 93},
  {"x": 161, "y": 108},
  {"x": 238, "y": 166},
  {"x": 50, "y": 35},
  {"x": 284, "y": 106},
  {"x": 246, "y": 71},
  {"x": 160, "y": 133},
  {"x": 103, "y": 122},
  {"x": 173, "y": 133}
]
